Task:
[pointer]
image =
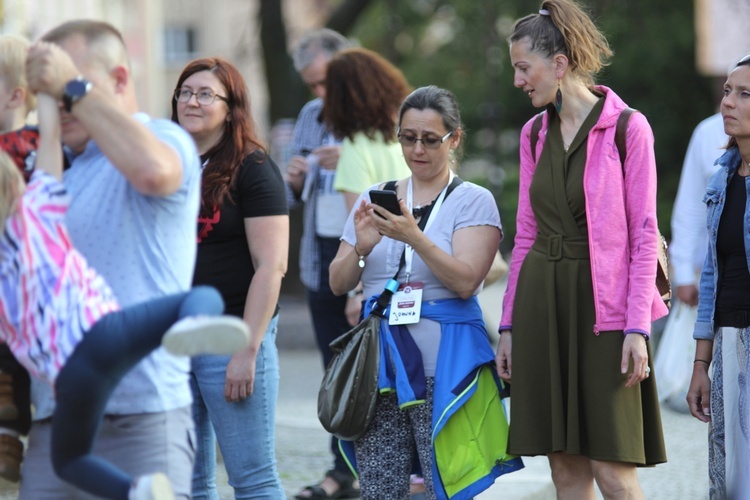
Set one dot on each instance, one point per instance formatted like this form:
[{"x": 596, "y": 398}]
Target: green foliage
[{"x": 461, "y": 45}]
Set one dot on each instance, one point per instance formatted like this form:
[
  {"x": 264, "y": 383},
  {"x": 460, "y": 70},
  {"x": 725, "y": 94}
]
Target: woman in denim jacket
[{"x": 722, "y": 330}]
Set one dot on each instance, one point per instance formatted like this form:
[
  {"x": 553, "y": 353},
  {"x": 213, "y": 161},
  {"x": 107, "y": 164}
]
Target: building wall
[
  {"x": 138, "y": 20},
  {"x": 230, "y": 29},
  {"x": 721, "y": 34},
  {"x": 157, "y": 31}
]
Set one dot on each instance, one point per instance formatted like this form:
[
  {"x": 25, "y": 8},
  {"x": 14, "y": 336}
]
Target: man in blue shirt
[{"x": 134, "y": 186}]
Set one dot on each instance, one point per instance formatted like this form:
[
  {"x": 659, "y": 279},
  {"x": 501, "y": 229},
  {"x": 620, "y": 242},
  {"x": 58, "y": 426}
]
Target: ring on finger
[{"x": 648, "y": 370}]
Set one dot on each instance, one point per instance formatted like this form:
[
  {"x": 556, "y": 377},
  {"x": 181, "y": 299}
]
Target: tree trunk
[
  {"x": 345, "y": 17},
  {"x": 286, "y": 90}
]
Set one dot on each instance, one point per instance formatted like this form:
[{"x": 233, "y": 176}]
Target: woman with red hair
[{"x": 243, "y": 239}]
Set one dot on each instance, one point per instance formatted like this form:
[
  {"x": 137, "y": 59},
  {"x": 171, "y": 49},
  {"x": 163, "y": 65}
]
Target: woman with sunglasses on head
[
  {"x": 439, "y": 248},
  {"x": 722, "y": 330},
  {"x": 243, "y": 238},
  {"x": 581, "y": 292}
]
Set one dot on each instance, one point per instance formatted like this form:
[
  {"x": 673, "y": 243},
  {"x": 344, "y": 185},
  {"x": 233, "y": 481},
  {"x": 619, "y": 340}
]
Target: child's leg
[
  {"x": 107, "y": 352},
  {"x": 15, "y": 405},
  {"x": 15, "y": 413}
]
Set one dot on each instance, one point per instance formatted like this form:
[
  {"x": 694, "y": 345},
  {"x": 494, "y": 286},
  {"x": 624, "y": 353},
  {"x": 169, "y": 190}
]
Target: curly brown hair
[
  {"x": 238, "y": 140},
  {"x": 363, "y": 94}
]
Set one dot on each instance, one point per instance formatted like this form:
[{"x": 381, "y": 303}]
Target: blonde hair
[
  {"x": 562, "y": 27},
  {"x": 13, "y": 51},
  {"x": 12, "y": 188}
]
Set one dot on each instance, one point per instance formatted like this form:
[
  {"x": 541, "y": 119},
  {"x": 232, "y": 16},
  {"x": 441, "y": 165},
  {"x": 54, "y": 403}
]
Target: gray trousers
[{"x": 138, "y": 444}]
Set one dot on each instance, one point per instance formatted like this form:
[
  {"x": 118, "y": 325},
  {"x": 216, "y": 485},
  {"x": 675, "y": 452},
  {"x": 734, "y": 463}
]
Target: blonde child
[
  {"x": 19, "y": 140},
  {"x": 63, "y": 323}
]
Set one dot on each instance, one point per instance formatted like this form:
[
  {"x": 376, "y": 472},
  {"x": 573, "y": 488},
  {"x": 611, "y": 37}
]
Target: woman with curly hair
[
  {"x": 243, "y": 239},
  {"x": 363, "y": 96}
]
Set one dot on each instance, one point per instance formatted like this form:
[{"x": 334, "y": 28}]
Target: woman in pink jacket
[{"x": 581, "y": 294}]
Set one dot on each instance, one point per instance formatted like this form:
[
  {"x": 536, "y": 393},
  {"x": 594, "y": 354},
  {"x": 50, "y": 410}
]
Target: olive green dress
[{"x": 567, "y": 392}]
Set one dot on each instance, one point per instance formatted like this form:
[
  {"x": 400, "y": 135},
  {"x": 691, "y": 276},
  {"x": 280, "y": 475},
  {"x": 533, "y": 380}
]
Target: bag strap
[
  {"x": 385, "y": 296},
  {"x": 621, "y": 135},
  {"x": 457, "y": 181},
  {"x": 662, "y": 267},
  {"x": 536, "y": 127}
]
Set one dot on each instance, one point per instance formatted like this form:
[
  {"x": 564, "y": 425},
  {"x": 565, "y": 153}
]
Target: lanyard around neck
[{"x": 408, "y": 250}]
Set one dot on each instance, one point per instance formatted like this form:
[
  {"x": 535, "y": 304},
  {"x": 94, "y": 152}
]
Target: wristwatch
[{"x": 74, "y": 91}]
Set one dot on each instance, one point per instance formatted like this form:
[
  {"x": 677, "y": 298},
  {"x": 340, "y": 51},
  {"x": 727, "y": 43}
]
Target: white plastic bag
[{"x": 673, "y": 363}]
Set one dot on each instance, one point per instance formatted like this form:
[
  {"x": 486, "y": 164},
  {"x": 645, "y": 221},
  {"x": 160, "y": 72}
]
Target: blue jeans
[
  {"x": 244, "y": 430},
  {"x": 116, "y": 343}
]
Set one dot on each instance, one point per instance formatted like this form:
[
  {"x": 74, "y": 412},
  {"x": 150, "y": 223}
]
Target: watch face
[{"x": 74, "y": 90}]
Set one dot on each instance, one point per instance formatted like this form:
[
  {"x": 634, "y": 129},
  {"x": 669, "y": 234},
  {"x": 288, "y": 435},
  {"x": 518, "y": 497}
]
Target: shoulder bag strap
[
  {"x": 536, "y": 127},
  {"x": 385, "y": 296},
  {"x": 621, "y": 135}
]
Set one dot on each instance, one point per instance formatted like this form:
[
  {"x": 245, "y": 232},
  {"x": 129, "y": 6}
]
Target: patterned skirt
[{"x": 729, "y": 430}]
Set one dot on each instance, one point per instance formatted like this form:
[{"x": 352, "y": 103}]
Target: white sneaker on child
[
  {"x": 196, "y": 335},
  {"x": 151, "y": 487}
]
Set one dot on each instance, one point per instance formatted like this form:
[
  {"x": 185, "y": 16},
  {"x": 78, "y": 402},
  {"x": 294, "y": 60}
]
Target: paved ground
[{"x": 302, "y": 444}]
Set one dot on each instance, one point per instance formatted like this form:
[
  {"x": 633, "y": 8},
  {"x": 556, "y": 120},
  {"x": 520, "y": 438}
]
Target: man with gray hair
[
  {"x": 134, "y": 186},
  {"x": 309, "y": 178}
]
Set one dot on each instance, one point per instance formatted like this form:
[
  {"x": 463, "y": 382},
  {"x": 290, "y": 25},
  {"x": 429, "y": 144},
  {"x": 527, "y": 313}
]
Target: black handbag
[{"x": 349, "y": 390}]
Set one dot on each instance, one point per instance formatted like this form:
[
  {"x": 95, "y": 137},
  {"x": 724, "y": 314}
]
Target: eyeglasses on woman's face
[
  {"x": 204, "y": 97},
  {"x": 428, "y": 141}
]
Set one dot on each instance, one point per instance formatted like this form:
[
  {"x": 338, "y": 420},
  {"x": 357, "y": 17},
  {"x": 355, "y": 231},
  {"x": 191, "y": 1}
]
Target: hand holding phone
[{"x": 386, "y": 199}]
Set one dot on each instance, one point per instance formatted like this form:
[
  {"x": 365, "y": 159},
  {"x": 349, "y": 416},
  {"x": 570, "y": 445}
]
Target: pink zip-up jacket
[{"x": 621, "y": 219}]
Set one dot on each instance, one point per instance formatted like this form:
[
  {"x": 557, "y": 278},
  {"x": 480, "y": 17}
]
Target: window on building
[{"x": 179, "y": 44}]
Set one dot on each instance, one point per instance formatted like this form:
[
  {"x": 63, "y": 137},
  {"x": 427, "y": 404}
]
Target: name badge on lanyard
[{"x": 406, "y": 304}]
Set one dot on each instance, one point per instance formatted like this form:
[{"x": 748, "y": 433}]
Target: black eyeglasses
[
  {"x": 429, "y": 142},
  {"x": 204, "y": 97}
]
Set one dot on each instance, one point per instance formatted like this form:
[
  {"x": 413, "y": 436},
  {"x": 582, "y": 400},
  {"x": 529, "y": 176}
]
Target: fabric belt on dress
[
  {"x": 556, "y": 247},
  {"x": 735, "y": 319}
]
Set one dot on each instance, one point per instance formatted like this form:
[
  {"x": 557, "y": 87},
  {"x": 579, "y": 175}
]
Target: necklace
[
  {"x": 422, "y": 207},
  {"x": 420, "y": 211}
]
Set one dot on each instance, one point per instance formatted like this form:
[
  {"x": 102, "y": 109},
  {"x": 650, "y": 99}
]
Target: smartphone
[{"x": 386, "y": 199}]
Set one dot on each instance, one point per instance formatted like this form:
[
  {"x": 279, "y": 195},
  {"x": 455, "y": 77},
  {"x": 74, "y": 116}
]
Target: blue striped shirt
[{"x": 309, "y": 133}]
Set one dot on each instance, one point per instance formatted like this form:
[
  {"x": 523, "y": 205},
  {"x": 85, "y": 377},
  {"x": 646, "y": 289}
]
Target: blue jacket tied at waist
[{"x": 469, "y": 423}]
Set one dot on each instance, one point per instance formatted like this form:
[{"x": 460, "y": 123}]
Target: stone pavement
[{"x": 302, "y": 444}]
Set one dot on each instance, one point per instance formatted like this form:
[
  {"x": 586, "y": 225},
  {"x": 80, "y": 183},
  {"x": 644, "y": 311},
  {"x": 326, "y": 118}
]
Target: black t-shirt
[
  {"x": 223, "y": 254},
  {"x": 734, "y": 278}
]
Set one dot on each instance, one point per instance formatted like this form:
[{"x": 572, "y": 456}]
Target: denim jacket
[{"x": 714, "y": 200}]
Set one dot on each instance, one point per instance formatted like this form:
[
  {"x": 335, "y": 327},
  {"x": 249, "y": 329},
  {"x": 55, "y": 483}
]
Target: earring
[{"x": 558, "y": 98}]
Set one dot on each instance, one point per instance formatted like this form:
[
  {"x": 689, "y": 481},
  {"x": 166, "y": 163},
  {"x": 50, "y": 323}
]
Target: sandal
[{"x": 346, "y": 488}]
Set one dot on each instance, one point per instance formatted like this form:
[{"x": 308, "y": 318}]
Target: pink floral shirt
[{"x": 49, "y": 296}]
